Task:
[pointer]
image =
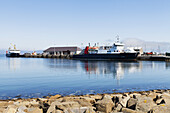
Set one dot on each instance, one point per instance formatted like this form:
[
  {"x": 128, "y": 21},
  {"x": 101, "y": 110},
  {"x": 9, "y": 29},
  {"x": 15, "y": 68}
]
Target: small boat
[
  {"x": 13, "y": 52},
  {"x": 116, "y": 52}
]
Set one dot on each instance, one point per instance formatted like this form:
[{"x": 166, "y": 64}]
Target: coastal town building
[{"x": 63, "y": 50}]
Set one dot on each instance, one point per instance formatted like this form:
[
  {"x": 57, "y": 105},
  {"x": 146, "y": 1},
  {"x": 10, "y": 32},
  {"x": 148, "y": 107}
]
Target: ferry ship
[
  {"x": 13, "y": 52},
  {"x": 115, "y": 52}
]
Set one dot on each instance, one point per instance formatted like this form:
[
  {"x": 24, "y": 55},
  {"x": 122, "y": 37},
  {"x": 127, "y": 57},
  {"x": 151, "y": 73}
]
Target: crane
[{"x": 13, "y": 46}]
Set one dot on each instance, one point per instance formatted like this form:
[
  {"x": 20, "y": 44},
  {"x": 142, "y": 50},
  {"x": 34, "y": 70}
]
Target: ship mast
[{"x": 117, "y": 37}]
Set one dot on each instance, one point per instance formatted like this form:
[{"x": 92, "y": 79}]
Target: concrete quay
[
  {"x": 140, "y": 58},
  {"x": 45, "y": 56},
  {"x": 153, "y": 58}
]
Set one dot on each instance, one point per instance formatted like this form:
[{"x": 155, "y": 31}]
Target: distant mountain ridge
[{"x": 147, "y": 45}]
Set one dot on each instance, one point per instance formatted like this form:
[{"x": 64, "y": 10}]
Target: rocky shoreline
[{"x": 155, "y": 101}]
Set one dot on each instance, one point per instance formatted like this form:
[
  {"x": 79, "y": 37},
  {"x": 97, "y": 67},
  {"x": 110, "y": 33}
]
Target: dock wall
[{"x": 139, "y": 58}]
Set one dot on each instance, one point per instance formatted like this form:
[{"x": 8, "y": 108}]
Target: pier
[
  {"x": 139, "y": 58},
  {"x": 45, "y": 56},
  {"x": 153, "y": 58}
]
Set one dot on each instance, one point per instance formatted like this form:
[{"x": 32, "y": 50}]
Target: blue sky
[{"x": 37, "y": 24}]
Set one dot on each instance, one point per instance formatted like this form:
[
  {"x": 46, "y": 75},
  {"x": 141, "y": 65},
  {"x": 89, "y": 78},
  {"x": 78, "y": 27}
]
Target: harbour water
[{"x": 38, "y": 77}]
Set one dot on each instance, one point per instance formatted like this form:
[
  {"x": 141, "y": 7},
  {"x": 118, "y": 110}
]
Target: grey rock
[
  {"x": 132, "y": 103},
  {"x": 117, "y": 98},
  {"x": 136, "y": 95},
  {"x": 160, "y": 101},
  {"x": 22, "y": 109},
  {"x": 118, "y": 108},
  {"x": 105, "y": 105},
  {"x": 79, "y": 110},
  {"x": 11, "y": 109},
  {"x": 124, "y": 100},
  {"x": 144, "y": 104},
  {"x": 160, "y": 109},
  {"x": 58, "y": 111},
  {"x": 166, "y": 99},
  {"x": 34, "y": 110},
  {"x": 126, "y": 110},
  {"x": 52, "y": 108}
]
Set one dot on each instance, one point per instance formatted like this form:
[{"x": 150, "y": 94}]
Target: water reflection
[
  {"x": 13, "y": 63},
  {"x": 38, "y": 75},
  {"x": 108, "y": 68},
  {"x": 167, "y": 65},
  {"x": 116, "y": 69},
  {"x": 61, "y": 63}
]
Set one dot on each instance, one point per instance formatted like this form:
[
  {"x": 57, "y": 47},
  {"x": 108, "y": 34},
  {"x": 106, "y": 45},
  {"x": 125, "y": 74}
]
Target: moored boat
[
  {"x": 116, "y": 52},
  {"x": 13, "y": 52}
]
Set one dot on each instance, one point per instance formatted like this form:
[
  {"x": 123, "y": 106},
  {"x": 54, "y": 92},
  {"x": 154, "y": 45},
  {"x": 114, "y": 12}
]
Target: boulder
[
  {"x": 136, "y": 95},
  {"x": 96, "y": 97},
  {"x": 160, "y": 101},
  {"x": 90, "y": 100},
  {"x": 163, "y": 108},
  {"x": 44, "y": 106},
  {"x": 79, "y": 110},
  {"x": 34, "y": 110},
  {"x": 166, "y": 99},
  {"x": 11, "y": 109},
  {"x": 152, "y": 95},
  {"x": 65, "y": 105},
  {"x": 2, "y": 110},
  {"x": 54, "y": 97},
  {"x": 144, "y": 104},
  {"x": 126, "y": 110},
  {"x": 83, "y": 101},
  {"x": 124, "y": 100},
  {"x": 118, "y": 108},
  {"x": 52, "y": 107},
  {"x": 26, "y": 103},
  {"x": 89, "y": 110},
  {"x": 117, "y": 98},
  {"x": 116, "y": 95},
  {"x": 22, "y": 109},
  {"x": 105, "y": 105},
  {"x": 58, "y": 111},
  {"x": 4, "y": 103},
  {"x": 132, "y": 103}
]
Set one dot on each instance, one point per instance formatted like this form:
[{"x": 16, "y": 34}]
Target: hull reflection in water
[
  {"x": 167, "y": 65},
  {"x": 117, "y": 69}
]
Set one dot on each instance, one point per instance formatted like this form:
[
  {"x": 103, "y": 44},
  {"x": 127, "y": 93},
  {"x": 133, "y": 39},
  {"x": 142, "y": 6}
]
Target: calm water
[{"x": 36, "y": 77}]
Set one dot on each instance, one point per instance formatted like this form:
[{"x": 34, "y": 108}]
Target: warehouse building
[{"x": 63, "y": 50}]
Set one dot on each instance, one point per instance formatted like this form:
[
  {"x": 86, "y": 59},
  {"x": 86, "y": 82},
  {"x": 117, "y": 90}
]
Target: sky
[{"x": 38, "y": 24}]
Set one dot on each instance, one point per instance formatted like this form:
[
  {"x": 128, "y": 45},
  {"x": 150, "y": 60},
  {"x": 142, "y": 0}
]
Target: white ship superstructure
[{"x": 13, "y": 52}]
